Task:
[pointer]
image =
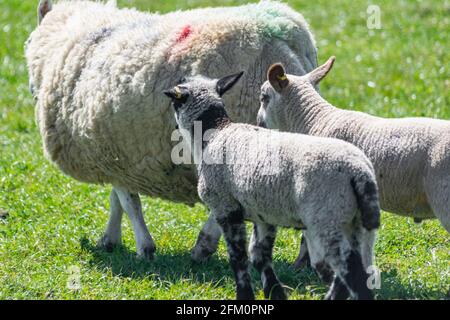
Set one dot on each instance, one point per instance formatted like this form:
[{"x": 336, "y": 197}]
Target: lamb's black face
[
  {"x": 179, "y": 95},
  {"x": 195, "y": 96}
]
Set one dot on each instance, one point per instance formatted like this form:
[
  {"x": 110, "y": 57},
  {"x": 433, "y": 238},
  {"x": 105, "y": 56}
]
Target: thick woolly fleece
[
  {"x": 326, "y": 186},
  {"x": 411, "y": 156},
  {"x": 98, "y": 74},
  {"x": 309, "y": 187}
]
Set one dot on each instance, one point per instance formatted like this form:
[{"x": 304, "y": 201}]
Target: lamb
[
  {"x": 411, "y": 156},
  {"x": 325, "y": 186},
  {"x": 97, "y": 73}
]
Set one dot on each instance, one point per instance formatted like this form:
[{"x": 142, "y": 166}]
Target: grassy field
[{"x": 55, "y": 221}]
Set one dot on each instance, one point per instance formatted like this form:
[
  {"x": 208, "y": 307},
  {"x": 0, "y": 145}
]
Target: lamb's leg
[
  {"x": 113, "y": 233},
  {"x": 355, "y": 277},
  {"x": 303, "y": 260},
  {"x": 440, "y": 202},
  {"x": 130, "y": 202},
  {"x": 207, "y": 241},
  {"x": 350, "y": 261},
  {"x": 325, "y": 255},
  {"x": 317, "y": 257},
  {"x": 338, "y": 290},
  {"x": 325, "y": 272},
  {"x": 437, "y": 190},
  {"x": 261, "y": 247},
  {"x": 347, "y": 264},
  {"x": 233, "y": 227}
]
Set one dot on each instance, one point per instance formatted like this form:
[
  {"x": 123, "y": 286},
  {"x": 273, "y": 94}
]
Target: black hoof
[
  {"x": 106, "y": 244},
  {"x": 276, "y": 293},
  {"x": 245, "y": 294},
  {"x": 341, "y": 294},
  {"x": 200, "y": 255},
  {"x": 148, "y": 253}
]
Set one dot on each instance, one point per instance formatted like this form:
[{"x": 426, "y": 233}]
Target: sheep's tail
[
  {"x": 45, "y": 6},
  {"x": 366, "y": 191}
]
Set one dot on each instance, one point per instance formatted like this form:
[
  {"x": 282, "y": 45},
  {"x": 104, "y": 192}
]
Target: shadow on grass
[
  {"x": 392, "y": 287},
  {"x": 174, "y": 266}
]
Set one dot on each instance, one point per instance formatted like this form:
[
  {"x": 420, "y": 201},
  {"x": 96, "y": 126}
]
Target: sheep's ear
[
  {"x": 45, "y": 6},
  {"x": 319, "y": 73},
  {"x": 226, "y": 83},
  {"x": 277, "y": 77}
]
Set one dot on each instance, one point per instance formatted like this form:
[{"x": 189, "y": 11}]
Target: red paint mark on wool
[{"x": 184, "y": 34}]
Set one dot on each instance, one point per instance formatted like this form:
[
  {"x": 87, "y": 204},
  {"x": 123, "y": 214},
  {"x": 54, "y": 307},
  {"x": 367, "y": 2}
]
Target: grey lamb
[
  {"x": 324, "y": 186},
  {"x": 411, "y": 156}
]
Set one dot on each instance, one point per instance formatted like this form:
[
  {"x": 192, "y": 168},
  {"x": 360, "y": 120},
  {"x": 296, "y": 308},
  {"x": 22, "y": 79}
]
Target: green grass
[{"x": 54, "y": 221}]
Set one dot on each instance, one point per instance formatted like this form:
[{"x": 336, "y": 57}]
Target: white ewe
[{"x": 97, "y": 73}]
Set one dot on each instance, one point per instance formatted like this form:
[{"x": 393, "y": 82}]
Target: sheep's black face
[
  {"x": 179, "y": 96},
  {"x": 189, "y": 99},
  {"x": 199, "y": 98}
]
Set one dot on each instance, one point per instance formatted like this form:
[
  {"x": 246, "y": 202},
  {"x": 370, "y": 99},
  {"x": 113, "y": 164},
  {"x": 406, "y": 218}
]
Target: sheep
[
  {"x": 411, "y": 156},
  {"x": 97, "y": 73},
  {"x": 325, "y": 186}
]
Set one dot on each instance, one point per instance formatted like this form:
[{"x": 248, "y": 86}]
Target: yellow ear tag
[
  {"x": 283, "y": 77},
  {"x": 177, "y": 93}
]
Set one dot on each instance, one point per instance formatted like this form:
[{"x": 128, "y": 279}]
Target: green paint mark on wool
[{"x": 272, "y": 21}]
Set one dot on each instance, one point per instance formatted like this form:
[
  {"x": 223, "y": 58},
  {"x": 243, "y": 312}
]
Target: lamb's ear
[
  {"x": 45, "y": 6},
  {"x": 226, "y": 83},
  {"x": 277, "y": 77},
  {"x": 319, "y": 73}
]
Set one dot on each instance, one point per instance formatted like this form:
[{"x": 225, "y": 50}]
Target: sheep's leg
[
  {"x": 445, "y": 220},
  {"x": 261, "y": 247},
  {"x": 130, "y": 202},
  {"x": 351, "y": 276},
  {"x": 367, "y": 240},
  {"x": 325, "y": 272},
  {"x": 437, "y": 191},
  {"x": 113, "y": 233},
  {"x": 347, "y": 264},
  {"x": 440, "y": 203},
  {"x": 355, "y": 277},
  {"x": 338, "y": 290},
  {"x": 303, "y": 260},
  {"x": 233, "y": 228},
  {"x": 207, "y": 241},
  {"x": 356, "y": 266},
  {"x": 317, "y": 257},
  {"x": 325, "y": 252}
]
